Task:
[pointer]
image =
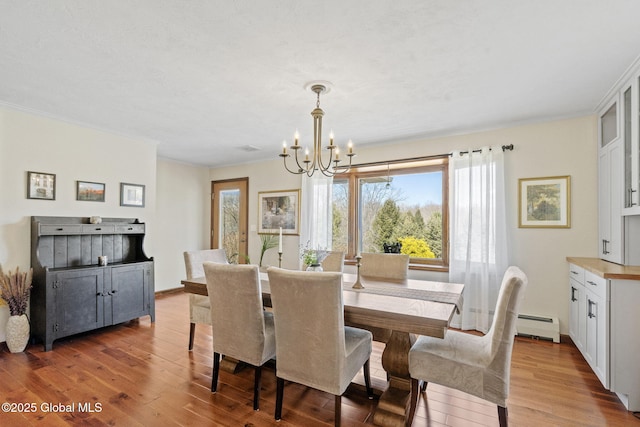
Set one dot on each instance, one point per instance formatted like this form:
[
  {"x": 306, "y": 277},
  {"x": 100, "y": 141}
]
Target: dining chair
[
  {"x": 199, "y": 307},
  {"x": 313, "y": 346},
  {"x": 240, "y": 327},
  {"x": 477, "y": 365},
  {"x": 334, "y": 261},
  {"x": 383, "y": 265}
]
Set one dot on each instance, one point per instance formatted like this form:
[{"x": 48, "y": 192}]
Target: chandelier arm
[
  {"x": 300, "y": 168},
  {"x": 298, "y": 172}
]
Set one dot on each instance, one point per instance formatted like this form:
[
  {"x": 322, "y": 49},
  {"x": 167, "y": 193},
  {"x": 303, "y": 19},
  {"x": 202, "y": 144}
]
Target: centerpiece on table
[
  {"x": 14, "y": 290},
  {"x": 312, "y": 258}
]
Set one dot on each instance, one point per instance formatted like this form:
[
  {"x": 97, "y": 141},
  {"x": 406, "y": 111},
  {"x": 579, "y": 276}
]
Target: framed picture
[
  {"x": 544, "y": 202},
  {"x": 279, "y": 209},
  {"x": 90, "y": 191},
  {"x": 131, "y": 195},
  {"x": 41, "y": 185}
]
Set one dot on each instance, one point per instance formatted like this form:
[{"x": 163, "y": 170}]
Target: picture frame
[
  {"x": 544, "y": 202},
  {"x": 132, "y": 195},
  {"x": 41, "y": 185},
  {"x": 279, "y": 209},
  {"x": 88, "y": 191}
]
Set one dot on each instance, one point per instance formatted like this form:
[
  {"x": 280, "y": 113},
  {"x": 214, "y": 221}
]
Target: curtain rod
[{"x": 417, "y": 159}]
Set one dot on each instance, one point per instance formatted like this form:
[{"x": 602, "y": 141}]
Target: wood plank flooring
[{"x": 141, "y": 374}]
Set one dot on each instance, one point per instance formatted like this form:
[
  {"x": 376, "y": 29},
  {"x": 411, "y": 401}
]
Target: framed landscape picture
[
  {"x": 90, "y": 191},
  {"x": 41, "y": 185},
  {"x": 131, "y": 195},
  {"x": 279, "y": 209},
  {"x": 544, "y": 202}
]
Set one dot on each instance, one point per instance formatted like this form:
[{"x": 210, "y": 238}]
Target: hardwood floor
[{"x": 141, "y": 374}]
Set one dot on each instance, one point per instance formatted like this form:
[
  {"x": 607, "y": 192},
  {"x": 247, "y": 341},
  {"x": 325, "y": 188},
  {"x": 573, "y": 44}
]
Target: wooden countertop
[{"x": 606, "y": 269}]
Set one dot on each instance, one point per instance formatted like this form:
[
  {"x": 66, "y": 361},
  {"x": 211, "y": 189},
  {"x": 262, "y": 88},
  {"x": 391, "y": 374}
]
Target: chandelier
[{"x": 314, "y": 162}]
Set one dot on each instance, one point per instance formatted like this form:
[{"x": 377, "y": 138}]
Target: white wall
[
  {"x": 564, "y": 147},
  {"x": 34, "y": 143},
  {"x": 183, "y": 219},
  {"x": 177, "y": 210}
]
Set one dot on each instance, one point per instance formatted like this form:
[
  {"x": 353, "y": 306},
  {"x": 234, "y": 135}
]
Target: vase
[
  {"x": 314, "y": 267},
  {"x": 17, "y": 333}
]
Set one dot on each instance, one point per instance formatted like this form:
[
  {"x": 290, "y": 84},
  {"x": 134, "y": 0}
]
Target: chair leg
[
  {"x": 367, "y": 379},
  {"x": 279, "y": 396},
  {"x": 216, "y": 369},
  {"x": 338, "y": 410},
  {"x": 414, "y": 401},
  {"x": 423, "y": 386},
  {"x": 192, "y": 331},
  {"x": 256, "y": 389},
  {"x": 502, "y": 416}
]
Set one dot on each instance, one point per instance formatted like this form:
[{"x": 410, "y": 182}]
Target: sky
[{"x": 419, "y": 188}]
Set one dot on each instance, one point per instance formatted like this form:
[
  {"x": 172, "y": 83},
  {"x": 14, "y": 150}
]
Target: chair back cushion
[
  {"x": 309, "y": 322},
  {"x": 503, "y": 327},
  {"x": 334, "y": 261},
  {"x": 193, "y": 260},
  {"x": 237, "y": 314},
  {"x": 387, "y": 266}
]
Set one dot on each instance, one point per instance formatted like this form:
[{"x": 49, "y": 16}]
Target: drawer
[
  {"x": 98, "y": 229},
  {"x": 130, "y": 229},
  {"x": 60, "y": 229},
  {"x": 595, "y": 284},
  {"x": 576, "y": 273}
]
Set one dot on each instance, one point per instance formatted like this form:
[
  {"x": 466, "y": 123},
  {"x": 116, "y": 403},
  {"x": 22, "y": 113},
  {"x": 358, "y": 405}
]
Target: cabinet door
[
  {"x": 610, "y": 202},
  {"x": 597, "y": 346},
  {"x": 130, "y": 291},
  {"x": 78, "y": 298},
  {"x": 577, "y": 314}
]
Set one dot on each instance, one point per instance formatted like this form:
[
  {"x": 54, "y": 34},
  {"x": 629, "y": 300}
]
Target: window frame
[{"x": 397, "y": 167}]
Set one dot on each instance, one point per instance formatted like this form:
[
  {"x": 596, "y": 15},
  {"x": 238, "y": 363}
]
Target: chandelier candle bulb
[
  {"x": 284, "y": 147},
  {"x": 350, "y": 144},
  {"x": 331, "y": 138},
  {"x": 296, "y": 137}
]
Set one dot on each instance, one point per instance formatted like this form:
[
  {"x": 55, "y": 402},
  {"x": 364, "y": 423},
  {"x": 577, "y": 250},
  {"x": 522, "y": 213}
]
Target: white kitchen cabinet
[
  {"x": 603, "y": 323},
  {"x": 610, "y": 192}
]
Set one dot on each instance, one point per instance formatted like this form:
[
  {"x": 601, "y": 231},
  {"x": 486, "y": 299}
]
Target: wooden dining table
[{"x": 404, "y": 308}]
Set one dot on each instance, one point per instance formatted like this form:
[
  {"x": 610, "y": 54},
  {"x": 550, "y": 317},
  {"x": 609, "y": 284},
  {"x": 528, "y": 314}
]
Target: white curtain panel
[
  {"x": 478, "y": 249},
  {"x": 316, "y": 215}
]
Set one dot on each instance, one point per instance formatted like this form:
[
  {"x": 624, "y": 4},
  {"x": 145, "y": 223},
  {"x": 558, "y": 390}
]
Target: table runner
[{"x": 413, "y": 293}]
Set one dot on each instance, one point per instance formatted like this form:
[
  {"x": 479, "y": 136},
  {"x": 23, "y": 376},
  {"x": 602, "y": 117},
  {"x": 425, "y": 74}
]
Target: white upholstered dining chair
[
  {"x": 383, "y": 265},
  {"x": 334, "y": 261},
  {"x": 313, "y": 346},
  {"x": 240, "y": 327},
  {"x": 477, "y": 365},
  {"x": 199, "y": 307}
]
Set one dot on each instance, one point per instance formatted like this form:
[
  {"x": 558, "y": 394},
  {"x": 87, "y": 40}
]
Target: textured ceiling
[{"x": 206, "y": 78}]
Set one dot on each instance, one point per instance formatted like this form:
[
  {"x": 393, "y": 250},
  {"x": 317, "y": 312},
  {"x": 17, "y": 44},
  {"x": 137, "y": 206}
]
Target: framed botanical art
[
  {"x": 90, "y": 191},
  {"x": 278, "y": 209},
  {"x": 41, "y": 185},
  {"x": 131, "y": 195},
  {"x": 544, "y": 202}
]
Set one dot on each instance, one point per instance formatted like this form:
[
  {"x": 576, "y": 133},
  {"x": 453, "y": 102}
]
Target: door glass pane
[
  {"x": 609, "y": 125},
  {"x": 229, "y": 217},
  {"x": 627, "y": 146}
]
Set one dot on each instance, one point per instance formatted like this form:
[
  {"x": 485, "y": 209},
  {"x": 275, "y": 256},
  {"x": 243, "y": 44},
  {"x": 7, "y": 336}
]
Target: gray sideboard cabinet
[{"x": 71, "y": 292}]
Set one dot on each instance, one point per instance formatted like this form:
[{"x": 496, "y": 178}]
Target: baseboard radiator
[{"x": 538, "y": 327}]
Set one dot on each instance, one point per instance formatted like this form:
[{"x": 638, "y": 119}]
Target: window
[{"x": 387, "y": 204}]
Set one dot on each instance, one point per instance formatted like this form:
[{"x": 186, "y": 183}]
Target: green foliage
[
  {"x": 267, "y": 241},
  {"x": 433, "y": 233},
  {"x": 416, "y": 248},
  {"x": 385, "y": 224}
]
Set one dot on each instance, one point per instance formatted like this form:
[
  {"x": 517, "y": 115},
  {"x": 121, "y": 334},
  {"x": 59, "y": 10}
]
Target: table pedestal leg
[{"x": 393, "y": 406}]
